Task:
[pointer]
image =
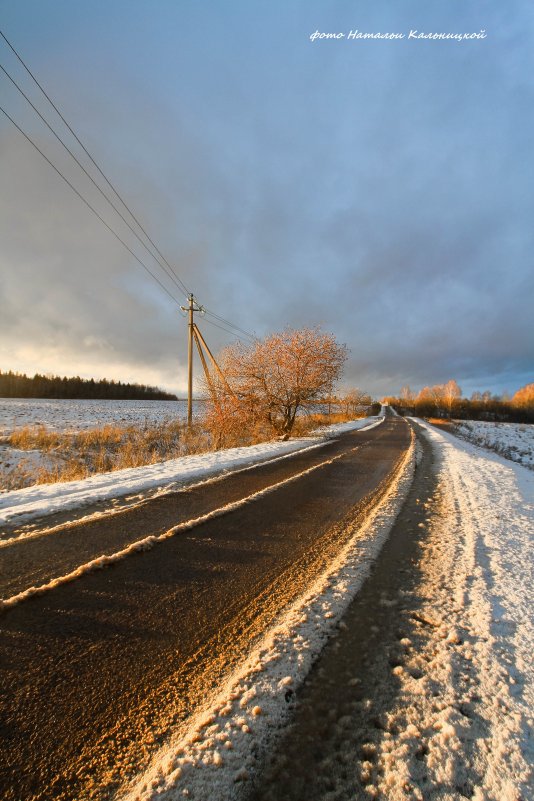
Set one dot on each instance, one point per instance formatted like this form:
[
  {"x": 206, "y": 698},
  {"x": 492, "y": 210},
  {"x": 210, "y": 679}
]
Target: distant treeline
[
  {"x": 18, "y": 385},
  {"x": 446, "y": 401}
]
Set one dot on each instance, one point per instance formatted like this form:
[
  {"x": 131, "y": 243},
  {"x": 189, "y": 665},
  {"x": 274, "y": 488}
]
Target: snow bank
[
  {"x": 512, "y": 440},
  {"x": 224, "y": 741},
  {"x": 463, "y": 721},
  {"x": 44, "y": 499}
]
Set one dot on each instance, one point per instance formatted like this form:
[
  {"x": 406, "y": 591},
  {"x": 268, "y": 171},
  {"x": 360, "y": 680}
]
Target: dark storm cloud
[{"x": 380, "y": 189}]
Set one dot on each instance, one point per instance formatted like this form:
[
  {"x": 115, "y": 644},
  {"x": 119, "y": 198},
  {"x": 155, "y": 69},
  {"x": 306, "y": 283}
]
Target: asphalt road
[
  {"x": 350, "y": 696},
  {"x": 95, "y": 673}
]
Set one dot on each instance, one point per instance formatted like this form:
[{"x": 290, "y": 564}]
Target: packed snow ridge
[
  {"x": 147, "y": 543},
  {"x": 20, "y": 506}
]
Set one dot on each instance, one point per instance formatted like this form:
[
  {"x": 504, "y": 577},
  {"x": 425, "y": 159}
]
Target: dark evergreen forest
[{"x": 18, "y": 385}]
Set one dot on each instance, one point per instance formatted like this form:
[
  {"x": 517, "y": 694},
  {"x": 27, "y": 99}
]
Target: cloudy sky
[{"x": 381, "y": 189}]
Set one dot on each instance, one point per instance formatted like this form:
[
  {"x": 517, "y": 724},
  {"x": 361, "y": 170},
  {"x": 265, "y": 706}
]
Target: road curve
[{"x": 96, "y": 672}]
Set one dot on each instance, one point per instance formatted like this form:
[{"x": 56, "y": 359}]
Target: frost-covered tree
[
  {"x": 407, "y": 394},
  {"x": 451, "y": 393},
  {"x": 354, "y": 399},
  {"x": 269, "y": 380}
]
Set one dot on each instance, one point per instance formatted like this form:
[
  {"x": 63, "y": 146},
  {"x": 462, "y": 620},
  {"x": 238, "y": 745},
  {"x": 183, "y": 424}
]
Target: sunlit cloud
[{"x": 382, "y": 191}]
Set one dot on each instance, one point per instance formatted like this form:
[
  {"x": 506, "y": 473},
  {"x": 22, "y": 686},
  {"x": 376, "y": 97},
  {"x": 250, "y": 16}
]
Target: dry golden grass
[
  {"x": 99, "y": 450},
  {"x": 71, "y": 456},
  {"x": 305, "y": 424},
  {"x": 439, "y": 422},
  {"x": 37, "y": 438}
]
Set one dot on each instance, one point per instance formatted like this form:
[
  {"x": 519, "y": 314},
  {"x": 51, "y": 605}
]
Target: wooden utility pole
[
  {"x": 202, "y": 341},
  {"x": 191, "y": 309}
]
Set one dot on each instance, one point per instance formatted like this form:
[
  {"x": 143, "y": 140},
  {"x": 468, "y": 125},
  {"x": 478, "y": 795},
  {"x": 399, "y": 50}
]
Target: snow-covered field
[
  {"x": 31, "y": 460},
  {"x": 23, "y": 467},
  {"x": 515, "y": 441},
  {"x": 44, "y": 499},
  {"x": 75, "y": 415}
]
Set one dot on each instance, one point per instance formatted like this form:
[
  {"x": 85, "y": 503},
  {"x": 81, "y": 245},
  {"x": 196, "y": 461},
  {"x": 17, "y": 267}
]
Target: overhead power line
[
  {"x": 180, "y": 286},
  {"x": 89, "y": 206},
  {"x": 230, "y": 328},
  {"x": 223, "y": 328},
  {"x": 230, "y": 324},
  {"x": 223, "y": 324},
  {"x": 183, "y": 286}
]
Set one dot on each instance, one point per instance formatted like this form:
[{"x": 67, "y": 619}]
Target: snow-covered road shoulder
[
  {"x": 20, "y": 506},
  {"x": 476, "y": 726}
]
